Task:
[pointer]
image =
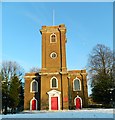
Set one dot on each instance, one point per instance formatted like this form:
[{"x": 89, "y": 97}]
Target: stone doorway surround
[{"x": 54, "y": 93}]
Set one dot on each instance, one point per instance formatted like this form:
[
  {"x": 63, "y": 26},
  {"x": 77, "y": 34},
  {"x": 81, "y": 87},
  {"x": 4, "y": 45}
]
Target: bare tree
[
  {"x": 34, "y": 69},
  {"x": 100, "y": 61},
  {"x": 11, "y": 75},
  {"x": 10, "y": 69},
  {"x": 100, "y": 65}
]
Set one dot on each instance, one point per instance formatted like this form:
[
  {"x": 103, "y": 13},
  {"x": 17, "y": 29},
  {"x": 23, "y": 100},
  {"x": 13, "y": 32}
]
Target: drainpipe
[
  {"x": 82, "y": 86},
  {"x": 69, "y": 91},
  {"x": 61, "y": 68}
]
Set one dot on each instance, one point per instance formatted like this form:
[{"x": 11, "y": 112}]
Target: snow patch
[{"x": 84, "y": 113}]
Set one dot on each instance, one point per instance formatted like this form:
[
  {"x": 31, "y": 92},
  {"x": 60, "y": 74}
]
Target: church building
[{"x": 55, "y": 87}]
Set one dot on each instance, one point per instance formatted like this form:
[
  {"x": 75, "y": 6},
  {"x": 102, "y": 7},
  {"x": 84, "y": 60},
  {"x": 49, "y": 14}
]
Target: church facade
[{"x": 55, "y": 87}]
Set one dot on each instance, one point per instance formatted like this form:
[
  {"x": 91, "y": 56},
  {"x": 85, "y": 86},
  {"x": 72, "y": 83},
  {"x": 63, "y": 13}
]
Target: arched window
[
  {"x": 53, "y": 38},
  {"x": 54, "y": 82},
  {"x": 34, "y": 86},
  {"x": 76, "y": 85}
]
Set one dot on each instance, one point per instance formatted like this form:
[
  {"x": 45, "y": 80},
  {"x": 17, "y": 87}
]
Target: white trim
[
  {"x": 80, "y": 100},
  {"x": 51, "y": 82},
  {"x": 31, "y": 103},
  {"x": 31, "y": 86},
  {"x": 55, "y": 73},
  {"x": 29, "y": 77},
  {"x": 79, "y": 84},
  {"x": 55, "y": 54},
  {"x": 54, "y": 93},
  {"x": 55, "y": 38}
]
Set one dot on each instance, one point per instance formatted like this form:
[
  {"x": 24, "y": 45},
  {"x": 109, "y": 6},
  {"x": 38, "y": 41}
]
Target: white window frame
[
  {"x": 51, "y": 38},
  {"x": 51, "y": 82},
  {"x": 31, "y": 86},
  {"x": 31, "y": 103},
  {"x": 79, "y": 84},
  {"x": 53, "y": 57}
]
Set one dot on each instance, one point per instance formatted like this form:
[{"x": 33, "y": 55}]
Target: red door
[
  {"x": 33, "y": 104},
  {"x": 78, "y": 103},
  {"x": 54, "y": 103}
]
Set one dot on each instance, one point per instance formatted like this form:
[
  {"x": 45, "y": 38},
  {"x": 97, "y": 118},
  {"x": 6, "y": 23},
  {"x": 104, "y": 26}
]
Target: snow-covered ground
[{"x": 84, "y": 113}]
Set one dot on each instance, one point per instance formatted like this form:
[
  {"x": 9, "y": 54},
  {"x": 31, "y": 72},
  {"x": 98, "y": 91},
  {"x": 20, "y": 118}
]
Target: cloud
[{"x": 33, "y": 17}]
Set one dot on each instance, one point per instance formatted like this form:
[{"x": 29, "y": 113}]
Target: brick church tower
[
  {"x": 54, "y": 80},
  {"x": 55, "y": 88}
]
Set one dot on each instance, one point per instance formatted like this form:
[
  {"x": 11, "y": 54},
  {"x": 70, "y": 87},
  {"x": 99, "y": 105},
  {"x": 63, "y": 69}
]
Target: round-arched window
[
  {"x": 54, "y": 82},
  {"x": 76, "y": 85},
  {"x": 53, "y": 38},
  {"x": 34, "y": 86}
]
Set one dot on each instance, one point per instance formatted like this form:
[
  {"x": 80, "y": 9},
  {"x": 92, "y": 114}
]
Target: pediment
[{"x": 54, "y": 92}]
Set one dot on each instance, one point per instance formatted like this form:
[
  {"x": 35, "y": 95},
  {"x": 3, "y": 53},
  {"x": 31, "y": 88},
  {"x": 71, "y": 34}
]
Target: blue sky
[{"x": 87, "y": 23}]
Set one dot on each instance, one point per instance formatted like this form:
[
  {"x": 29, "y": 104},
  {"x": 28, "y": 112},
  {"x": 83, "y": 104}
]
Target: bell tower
[
  {"x": 54, "y": 67},
  {"x": 53, "y": 48}
]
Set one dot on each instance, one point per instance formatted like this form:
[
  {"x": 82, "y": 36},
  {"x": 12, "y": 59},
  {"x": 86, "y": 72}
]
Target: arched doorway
[
  {"x": 54, "y": 100},
  {"x": 78, "y": 102},
  {"x": 33, "y": 104}
]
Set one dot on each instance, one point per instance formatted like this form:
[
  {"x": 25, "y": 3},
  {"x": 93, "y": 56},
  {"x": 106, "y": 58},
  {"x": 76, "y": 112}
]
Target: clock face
[{"x": 53, "y": 55}]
